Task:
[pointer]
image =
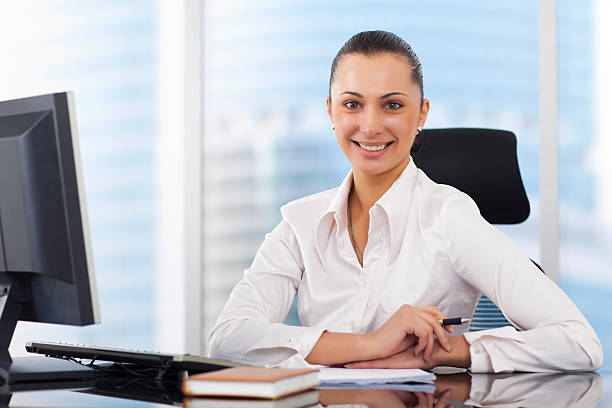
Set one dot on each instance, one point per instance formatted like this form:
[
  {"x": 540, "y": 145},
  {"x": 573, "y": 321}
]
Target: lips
[{"x": 372, "y": 146}]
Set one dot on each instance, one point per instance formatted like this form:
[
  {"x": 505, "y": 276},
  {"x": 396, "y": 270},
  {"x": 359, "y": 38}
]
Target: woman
[{"x": 377, "y": 261}]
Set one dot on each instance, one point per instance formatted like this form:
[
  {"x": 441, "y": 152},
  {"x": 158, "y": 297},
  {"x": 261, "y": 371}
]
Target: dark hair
[
  {"x": 376, "y": 42},
  {"x": 371, "y": 43}
]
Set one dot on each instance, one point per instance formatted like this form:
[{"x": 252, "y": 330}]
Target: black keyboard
[{"x": 144, "y": 358}]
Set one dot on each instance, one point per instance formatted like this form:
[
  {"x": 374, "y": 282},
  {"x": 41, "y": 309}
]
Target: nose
[{"x": 371, "y": 122}]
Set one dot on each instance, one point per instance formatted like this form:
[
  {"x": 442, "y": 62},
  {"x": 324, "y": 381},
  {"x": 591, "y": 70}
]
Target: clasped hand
[{"x": 407, "y": 339}]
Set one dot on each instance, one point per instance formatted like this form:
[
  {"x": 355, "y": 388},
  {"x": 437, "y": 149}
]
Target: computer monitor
[{"x": 46, "y": 264}]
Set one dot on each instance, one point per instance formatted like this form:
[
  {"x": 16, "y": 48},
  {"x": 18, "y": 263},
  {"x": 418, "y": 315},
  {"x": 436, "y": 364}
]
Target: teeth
[{"x": 372, "y": 148}]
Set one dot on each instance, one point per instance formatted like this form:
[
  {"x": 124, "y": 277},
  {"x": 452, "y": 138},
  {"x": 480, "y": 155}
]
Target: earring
[
  {"x": 333, "y": 128},
  {"x": 419, "y": 129}
]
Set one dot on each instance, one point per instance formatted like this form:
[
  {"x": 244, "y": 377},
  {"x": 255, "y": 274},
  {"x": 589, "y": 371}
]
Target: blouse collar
[{"x": 395, "y": 203}]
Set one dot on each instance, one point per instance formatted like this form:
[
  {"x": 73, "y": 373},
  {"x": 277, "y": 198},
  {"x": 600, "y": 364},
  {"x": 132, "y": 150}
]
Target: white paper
[
  {"x": 361, "y": 376},
  {"x": 427, "y": 388}
]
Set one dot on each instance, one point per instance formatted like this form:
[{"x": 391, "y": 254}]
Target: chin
[
  {"x": 378, "y": 168},
  {"x": 371, "y": 170}
]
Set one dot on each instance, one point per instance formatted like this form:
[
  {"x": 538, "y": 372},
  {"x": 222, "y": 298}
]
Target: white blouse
[{"x": 427, "y": 245}]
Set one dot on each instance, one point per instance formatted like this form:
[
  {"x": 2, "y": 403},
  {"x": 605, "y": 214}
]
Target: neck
[{"x": 367, "y": 189}]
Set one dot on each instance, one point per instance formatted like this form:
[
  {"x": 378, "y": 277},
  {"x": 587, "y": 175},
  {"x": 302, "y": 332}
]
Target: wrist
[
  {"x": 459, "y": 356},
  {"x": 366, "y": 347},
  {"x": 339, "y": 348}
]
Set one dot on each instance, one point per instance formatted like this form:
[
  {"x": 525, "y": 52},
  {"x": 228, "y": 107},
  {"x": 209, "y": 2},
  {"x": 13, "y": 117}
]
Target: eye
[
  {"x": 352, "y": 105},
  {"x": 393, "y": 105}
]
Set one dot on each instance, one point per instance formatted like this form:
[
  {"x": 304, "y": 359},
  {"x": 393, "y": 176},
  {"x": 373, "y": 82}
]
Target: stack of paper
[
  {"x": 409, "y": 387},
  {"x": 369, "y": 376}
]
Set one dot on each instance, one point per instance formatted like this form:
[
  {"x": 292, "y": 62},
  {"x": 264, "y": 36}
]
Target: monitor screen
[{"x": 46, "y": 263}]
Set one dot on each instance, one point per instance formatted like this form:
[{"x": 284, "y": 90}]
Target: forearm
[
  {"x": 459, "y": 356},
  {"x": 339, "y": 348}
]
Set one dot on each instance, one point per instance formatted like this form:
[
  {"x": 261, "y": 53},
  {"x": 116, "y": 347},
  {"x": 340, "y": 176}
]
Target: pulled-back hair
[{"x": 371, "y": 43}]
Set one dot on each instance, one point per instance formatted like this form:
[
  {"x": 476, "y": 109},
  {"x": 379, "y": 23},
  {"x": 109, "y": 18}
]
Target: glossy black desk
[{"x": 458, "y": 390}]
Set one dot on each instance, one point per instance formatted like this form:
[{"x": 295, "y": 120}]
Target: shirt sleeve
[
  {"x": 250, "y": 328},
  {"x": 552, "y": 334}
]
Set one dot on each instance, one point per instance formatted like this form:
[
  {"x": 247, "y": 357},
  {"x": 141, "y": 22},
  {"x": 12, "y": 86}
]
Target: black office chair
[{"x": 483, "y": 164}]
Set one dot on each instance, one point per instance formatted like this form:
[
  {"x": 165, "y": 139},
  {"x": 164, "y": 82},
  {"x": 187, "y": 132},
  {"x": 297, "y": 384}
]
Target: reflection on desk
[
  {"x": 140, "y": 391},
  {"x": 460, "y": 390},
  {"x": 490, "y": 390},
  {"x": 536, "y": 390}
]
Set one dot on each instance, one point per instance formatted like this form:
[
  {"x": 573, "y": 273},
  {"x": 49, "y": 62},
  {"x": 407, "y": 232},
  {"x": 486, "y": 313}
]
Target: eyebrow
[{"x": 382, "y": 97}]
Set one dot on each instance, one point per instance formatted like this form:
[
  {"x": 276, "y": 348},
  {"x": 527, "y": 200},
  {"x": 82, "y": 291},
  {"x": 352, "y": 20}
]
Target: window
[
  {"x": 584, "y": 168},
  {"x": 107, "y": 54},
  {"x": 267, "y": 137}
]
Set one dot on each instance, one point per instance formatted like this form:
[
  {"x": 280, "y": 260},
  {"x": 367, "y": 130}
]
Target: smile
[{"x": 372, "y": 148}]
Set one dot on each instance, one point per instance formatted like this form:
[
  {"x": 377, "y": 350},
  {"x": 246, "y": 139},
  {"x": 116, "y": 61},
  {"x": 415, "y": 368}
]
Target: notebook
[
  {"x": 303, "y": 399},
  {"x": 251, "y": 382}
]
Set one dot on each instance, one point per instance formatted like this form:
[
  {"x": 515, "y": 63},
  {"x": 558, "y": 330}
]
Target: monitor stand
[
  {"x": 43, "y": 369},
  {"x": 42, "y": 373},
  {"x": 29, "y": 369}
]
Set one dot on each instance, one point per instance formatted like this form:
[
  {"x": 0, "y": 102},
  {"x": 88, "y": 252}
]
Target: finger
[
  {"x": 408, "y": 398},
  {"x": 405, "y": 343},
  {"x": 430, "y": 399},
  {"x": 409, "y": 340},
  {"x": 425, "y": 338},
  {"x": 443, "y": 399},
  {"x": 388, "y": 399},
  {"x": 420, "y": 342},
  {"x": 421, "y": 400},
  {"x": 429, "y": 349},
  {"x": 439, "y": 331},
  {"x": 426, "y": 401},
  {"x": 433, "y": 311},
  {"x": 430, "y": 346}
]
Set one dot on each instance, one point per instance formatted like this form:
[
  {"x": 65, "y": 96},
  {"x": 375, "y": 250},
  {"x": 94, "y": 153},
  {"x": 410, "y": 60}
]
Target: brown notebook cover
[{"x": 253, "y": 375}]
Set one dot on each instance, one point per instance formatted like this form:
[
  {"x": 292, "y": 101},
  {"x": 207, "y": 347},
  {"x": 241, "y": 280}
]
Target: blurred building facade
[{"x": 107, "y": 54}]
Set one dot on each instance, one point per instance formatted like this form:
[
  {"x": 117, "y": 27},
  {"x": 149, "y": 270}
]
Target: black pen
[{"x": 454, "y": 321}]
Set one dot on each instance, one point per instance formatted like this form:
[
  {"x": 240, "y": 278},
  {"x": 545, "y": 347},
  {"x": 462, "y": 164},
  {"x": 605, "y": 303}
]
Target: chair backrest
[{"x": 483, "y": 164}]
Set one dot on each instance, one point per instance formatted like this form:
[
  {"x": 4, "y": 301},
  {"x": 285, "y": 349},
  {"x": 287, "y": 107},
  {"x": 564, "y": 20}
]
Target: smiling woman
[
  {"x": 377, "y": 111},
  {"x": 376, "y": 262}
]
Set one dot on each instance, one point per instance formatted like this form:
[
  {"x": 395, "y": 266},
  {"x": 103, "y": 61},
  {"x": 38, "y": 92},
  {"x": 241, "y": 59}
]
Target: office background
[{"x": 199, "y": 119}]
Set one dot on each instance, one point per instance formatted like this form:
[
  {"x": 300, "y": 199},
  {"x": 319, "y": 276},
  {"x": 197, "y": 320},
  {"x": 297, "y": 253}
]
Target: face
[{"x": 376, "y": 108}]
